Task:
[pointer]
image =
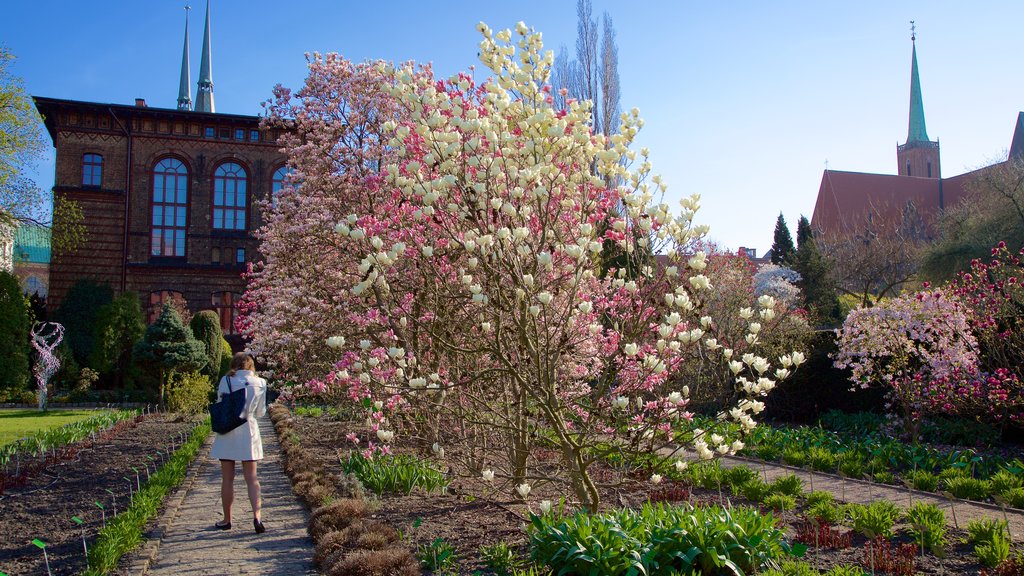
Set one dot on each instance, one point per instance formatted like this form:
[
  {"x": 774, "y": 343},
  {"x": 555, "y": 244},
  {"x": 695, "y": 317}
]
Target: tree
[
  {"x": 14, "y": 334},
  {"x": 206, "y": 328},
  {"x": 460, "y": 284},
  {"x": 78, "y": 314},
  {"x": 169, "y": 348},
  {"x": 119, "y": 326},
  {"x": 873, "y": 263},
  {"x": 21, "y": 143},
  {"x": 816, "y": 284},
  {"x": 594, "y": 75},
  {"x": 782, "y": 245}
]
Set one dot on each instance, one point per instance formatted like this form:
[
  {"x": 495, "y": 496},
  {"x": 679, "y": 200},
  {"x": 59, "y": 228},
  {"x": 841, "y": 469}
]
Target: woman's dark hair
[{"x": 241, "y": 361}]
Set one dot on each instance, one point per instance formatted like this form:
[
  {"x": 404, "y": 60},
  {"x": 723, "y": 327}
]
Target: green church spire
[
  {"x": 916, "y": 131},
  {"x": 204, "y": 95},
  {"x": 184, "y": 100}
]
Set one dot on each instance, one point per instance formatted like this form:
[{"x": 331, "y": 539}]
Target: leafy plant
[
  {"x": 851, "y": 465},
  {"x": 790, "y": 485},
  {"x": 927, "y": 526},
  {"x": 884, "y": 477},
  {"x": 985, "y": 530},
  {"x": 1004, "y": 481},
  {"x": 874, "y": 520},
  {"x": 820, "y": 496},
  {"x": 436, "y": 556},
  {"x": 658, "y": 539},
  {"x": 968, "y": 488},
  {"x": 826, "y": 511},
  {"x": 822, "y": 459},
  {"x": 923, "y": 480},
  {"x": 845, "y": 571},
  {"x": 794, "y": 457},
  {"x": 755, "y": 490},
  {"x": 880, "y": 555},
  {"x": 395, "y": 474},
  {"x": 994, "y": 551},
  {"x": 738, "y": 475},
  {"x": 1015, "y": 498},
  {"x": 792, "y": 568},
  {"x": 502, "y": 558},
  {"x": 780, "y": 502}
]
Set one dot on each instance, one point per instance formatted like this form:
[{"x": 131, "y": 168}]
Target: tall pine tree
[
  {"x": 782, "y": 246},
  {"x": 819, "y": 292}
]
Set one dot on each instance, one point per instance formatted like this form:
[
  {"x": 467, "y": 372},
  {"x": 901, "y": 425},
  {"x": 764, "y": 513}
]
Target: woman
[{"x": 242, "y": 443}]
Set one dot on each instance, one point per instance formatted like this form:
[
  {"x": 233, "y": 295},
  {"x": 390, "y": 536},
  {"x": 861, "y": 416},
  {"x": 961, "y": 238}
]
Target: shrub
[
  {"x": 968, "y": 488},
  {"x": 755, "y": 490},
  {"x": 501, "y": 558},
  {"x": 1004, "y": 481},
  {"x": 1015, "y": 498},
  {"x": 790, "y": 485},
  {"x": 851, "y": 465},
  {"x": 927, "y": 526},
  {"x": 388, "y": 562},
  {"x": 78, "y": 313},
  {"x": 225, "y": 358},
  {"x": 188, "y": 393},
  {"x": 119, "y": 326},
  {"x": 993, "y": 552},
  {"x": 397, "y": 474},
  {"x": 822, "y": 459},
  {"x": 168, "y": 347},
  {"x": 923, "y": 480},
  {"x": 874, "y": 520},
  {"x": 820, "y": 497},
  {"x": 826, "y": 511},
  {"x": 657, "y": 537},
  {"x": 376, "y": 536},
  {"x": 14, "y": 334},
  {"x": 738, "y": 475},
  {"x": 984, "y": 530},
  {"x": 792, "y": 568},
  {"x": 336, "y": 516},
  {"x": 206, "y": 328},
  {"x": 328, "y": 544},
  {"x": 794, "y": 457},
  {"x": 884, "y": 477}
]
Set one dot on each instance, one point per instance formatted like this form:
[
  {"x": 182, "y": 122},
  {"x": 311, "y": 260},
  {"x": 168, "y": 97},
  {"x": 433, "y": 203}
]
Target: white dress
[{"x": 243, "y": 443}]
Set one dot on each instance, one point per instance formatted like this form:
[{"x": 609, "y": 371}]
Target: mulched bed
[
  {"x": 43, "y": 508},
  {"x": 467, "y": 521}
]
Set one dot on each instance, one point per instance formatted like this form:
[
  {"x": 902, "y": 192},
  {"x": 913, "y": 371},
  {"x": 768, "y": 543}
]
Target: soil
[
  {"x": 71, "y": 487},
  {"x": 467, "y": 519}
]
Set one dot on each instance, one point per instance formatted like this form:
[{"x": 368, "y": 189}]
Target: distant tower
[
  {"x": 204, "y": 95},
  {"x": 184, "y": 100},
  {"x": 919, "y": 156}
]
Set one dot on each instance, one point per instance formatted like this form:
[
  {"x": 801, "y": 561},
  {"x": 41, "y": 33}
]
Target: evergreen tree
[
  {"x": 206, "y": 328},
  {"x": 78, "y": 312},
  {"x": 119, "y": 326},
  {"x": 819, "y": 292},
  {"x": 169, "y": 347},
  {"x": 14, "y": 330},
  {"x": 782, "y": 246}
]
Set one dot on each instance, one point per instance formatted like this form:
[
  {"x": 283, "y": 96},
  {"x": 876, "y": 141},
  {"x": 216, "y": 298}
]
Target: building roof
[{"x": 32, "y": 244}]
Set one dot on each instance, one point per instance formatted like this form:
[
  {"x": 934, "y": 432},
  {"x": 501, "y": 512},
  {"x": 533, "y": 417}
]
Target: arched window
[
  {"x": 92, "y": 170},
  {"x": 170, "y": 203},
  {"x": 229, "y": 185},
  {"x": 225, "y": 304},
  {"x": 277, "y": 181},
  {"x": 157, "y": 301}
]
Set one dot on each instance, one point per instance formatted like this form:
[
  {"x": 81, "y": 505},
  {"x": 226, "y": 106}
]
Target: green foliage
[
  {"x": 783, "y": 250},
  {"x": 780, "y": 502},
  {"x": 826, "y": 511},
  {"x": 816, "y": 284},
  {"x": 822, "y": 459},
  {"x": 189, "y": 393},
  {"x": 501, "y": 558},
  {"x": 168, "y": 346},
  {"x": 884, "y": 477},
  {"x": 923, "y": 480},
  {"x": 437, "y": 556},
  {"x": 206, "y": 328},
  {"x": 394, "y": 474},
  {"x": 1014, "y": 497},
  {"x": 985, "y": 530},
  {"x": 794, "y": 456},
  {"x": 994, "y": 551},
  {"x": 707, "y": 475},
  {"x": 755, "y": 490},
  {"x": 927, "y": 526},
  {"x": 124, "y": 532},
  {"x": 119, "y": 326},
  {"x": 875, "y": 519},
  {"x": 851, "y": 465},
  {"x": 79, "y": 312},
  {"x": 1004, "y": 481},
  {"x": 852, "y": 424},
  {"x": 792, "y": 568},
  {"x": 790, "y": 485},
  {"x": 967, "y": 488},
  {"x": 225, "y": 358},
  {"x": 820, "y": 496},
  {"x": 845, "y": 571},
  {"x": 14, "y": 334},
  {"x": 738, "y": 475},
  {"x": 658, "y": 539}
]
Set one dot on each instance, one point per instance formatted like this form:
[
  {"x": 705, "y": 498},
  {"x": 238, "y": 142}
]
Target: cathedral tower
[{"x": 919, "y": 156}]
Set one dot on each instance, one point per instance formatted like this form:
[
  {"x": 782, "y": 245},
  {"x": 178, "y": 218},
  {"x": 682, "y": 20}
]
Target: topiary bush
[
  {"x": 206, "y": 328},
  {"x": 168, "y": 347}
]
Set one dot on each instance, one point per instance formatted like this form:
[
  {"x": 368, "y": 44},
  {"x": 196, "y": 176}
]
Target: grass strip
[{"x": 123, "y": 533}]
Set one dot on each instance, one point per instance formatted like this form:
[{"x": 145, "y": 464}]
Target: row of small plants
[
  {"x": 24, "y": 459},
  {"x": 925, "y": 523},
  {"x": 347, "y": 541},
  {"x": 861, "y": 451},
  {"x": 123, "y": 533}
]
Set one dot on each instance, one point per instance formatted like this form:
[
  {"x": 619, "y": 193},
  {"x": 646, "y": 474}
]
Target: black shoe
[
  {"x": 260, "y": 528},
  {"x": 222, "y": 525}
]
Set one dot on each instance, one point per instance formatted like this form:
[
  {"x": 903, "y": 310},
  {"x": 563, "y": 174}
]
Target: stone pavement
[{"x": 187, "y": 544}]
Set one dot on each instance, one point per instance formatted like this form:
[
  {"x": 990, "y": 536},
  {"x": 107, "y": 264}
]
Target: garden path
[
  {"x": 864, "y": 492},
  {"x": 187, "y": 544}
]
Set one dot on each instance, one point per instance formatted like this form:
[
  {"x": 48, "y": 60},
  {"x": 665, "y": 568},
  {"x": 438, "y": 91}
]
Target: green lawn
[{"x": 16, "y": 424}]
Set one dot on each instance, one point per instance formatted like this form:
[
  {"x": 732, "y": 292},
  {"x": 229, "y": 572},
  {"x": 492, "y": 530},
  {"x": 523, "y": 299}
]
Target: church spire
[
  {"x": 916, "y": 131},
  {"x": 184, "y": 100},
  {"x": 204, "y": 95}
]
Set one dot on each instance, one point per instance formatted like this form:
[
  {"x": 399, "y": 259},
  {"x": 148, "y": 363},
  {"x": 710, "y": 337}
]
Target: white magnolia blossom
[
  {"x": 487, "y": 475},
  {"x": 523, "y": 489}
]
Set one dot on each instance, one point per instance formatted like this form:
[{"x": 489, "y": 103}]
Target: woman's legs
[
  {"x": 253, "y": 484},
  {"x": 227, "y": 487}
]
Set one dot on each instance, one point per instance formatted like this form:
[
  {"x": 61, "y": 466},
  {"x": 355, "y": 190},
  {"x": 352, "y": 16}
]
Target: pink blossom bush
[{"x": 443, "y": 256}]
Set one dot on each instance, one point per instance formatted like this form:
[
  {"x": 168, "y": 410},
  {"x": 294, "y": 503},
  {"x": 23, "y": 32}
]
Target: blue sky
[{"x": 743, "y": 101}]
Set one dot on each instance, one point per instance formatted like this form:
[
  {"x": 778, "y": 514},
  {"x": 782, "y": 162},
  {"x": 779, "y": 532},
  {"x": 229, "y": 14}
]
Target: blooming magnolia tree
[{"x": 463, "y": 282}]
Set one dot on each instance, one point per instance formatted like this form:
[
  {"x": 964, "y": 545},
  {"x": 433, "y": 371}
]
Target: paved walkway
[
  {"x": 189, "y": 545},
  {"x": 958, "y": 513}
]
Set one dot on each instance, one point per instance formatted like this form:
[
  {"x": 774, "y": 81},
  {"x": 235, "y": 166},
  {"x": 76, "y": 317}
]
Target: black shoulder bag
[{"x": 225, "y": 414}]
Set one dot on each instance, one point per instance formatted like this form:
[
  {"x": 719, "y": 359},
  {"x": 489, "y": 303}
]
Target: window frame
[
  {"x": 155, "y": 306},
  {"x": 214, "y": 206},
  {"x": 186, "y": 207},
  {"x": 92, "y": 169},
  {"x": 228, "y": 306}
]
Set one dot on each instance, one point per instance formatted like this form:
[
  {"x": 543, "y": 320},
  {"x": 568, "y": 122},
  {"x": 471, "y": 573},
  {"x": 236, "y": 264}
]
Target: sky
[{"x": 744, "y": 102}]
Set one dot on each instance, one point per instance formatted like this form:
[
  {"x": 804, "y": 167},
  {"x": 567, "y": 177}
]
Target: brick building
[
  {"x": 849, "y": 203},
  {"x": 170, "y": 197}
]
